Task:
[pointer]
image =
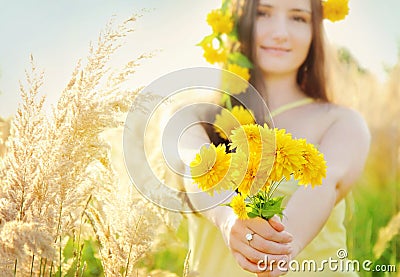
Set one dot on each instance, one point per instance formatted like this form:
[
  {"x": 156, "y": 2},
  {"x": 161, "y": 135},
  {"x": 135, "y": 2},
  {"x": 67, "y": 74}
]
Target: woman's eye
[
  {"x": 299, "y": 19},
  {"x": 263, "y": 13}
]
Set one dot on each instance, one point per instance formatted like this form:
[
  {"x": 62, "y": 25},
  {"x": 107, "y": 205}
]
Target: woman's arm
[{"x": 345, "y": 146}]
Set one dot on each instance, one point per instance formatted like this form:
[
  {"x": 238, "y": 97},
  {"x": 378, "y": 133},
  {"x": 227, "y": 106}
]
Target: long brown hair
[{"x": 311, "y": 74}]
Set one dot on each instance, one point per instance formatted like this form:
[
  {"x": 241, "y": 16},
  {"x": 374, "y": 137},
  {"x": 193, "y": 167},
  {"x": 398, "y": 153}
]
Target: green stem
[{"x": 274, "y": 187}]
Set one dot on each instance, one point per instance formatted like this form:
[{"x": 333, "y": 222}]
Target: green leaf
[
  {"x": 273, "y": 207},
  {"x": 240, "y": 59},
  {"x": 277, "y": 200},
  {"x": 207, "y": 40},
  {"x": 252, "y": 215},
  {"x": 261, "y": 196},
  {"x": 267, "y": 214},
  {"x": 225, "y": 5},
  {"x": 254, "y": 210},
  {"x": 233, "y": 35}
]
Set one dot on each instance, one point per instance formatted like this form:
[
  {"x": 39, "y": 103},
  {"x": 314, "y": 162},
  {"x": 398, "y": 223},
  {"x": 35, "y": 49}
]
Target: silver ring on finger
[{"x": 249, "y": 237}]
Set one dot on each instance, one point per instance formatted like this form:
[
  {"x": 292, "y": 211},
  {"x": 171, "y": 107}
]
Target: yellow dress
[{"x": 211, "y": 257}]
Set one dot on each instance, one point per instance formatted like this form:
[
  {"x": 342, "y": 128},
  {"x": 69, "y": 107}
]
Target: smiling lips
[{"x": 277, "y": 51}]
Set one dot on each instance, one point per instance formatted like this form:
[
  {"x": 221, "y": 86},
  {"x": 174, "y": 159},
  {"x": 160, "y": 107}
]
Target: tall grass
[{"x": 59, "y": 191}]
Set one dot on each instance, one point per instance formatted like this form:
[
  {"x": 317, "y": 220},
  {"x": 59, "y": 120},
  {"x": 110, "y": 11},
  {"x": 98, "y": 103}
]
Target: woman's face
[{"x": 283, "y": 35}]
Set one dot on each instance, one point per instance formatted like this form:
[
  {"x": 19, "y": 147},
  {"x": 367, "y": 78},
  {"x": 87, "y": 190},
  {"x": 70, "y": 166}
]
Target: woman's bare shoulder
[
  {"x": 342, "y": 117},
  {"x": 346, "y": 143},
  {"x": 334, "y": 120}
]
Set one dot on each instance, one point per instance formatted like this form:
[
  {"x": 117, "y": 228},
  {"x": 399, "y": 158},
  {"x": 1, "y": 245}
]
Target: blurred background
[{"x": 366, "y": 67}]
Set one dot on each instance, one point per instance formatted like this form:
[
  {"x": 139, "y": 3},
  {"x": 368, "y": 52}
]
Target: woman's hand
[{"x": 270, "y": 242}]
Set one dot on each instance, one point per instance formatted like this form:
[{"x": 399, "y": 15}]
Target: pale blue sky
[{"x": 57, "y": 33}]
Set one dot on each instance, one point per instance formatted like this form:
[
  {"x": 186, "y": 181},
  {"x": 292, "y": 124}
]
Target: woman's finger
[
  {"x": 264, "y": 229},
  {"x": 243, "y": 246},
  {"x": 248, "y": 249},
  {"x": 271, "y": 247},
  {"x": 251, "y": 254},
  {"x": 276, "y": 223},
  {"x": 246, "y": 264}
]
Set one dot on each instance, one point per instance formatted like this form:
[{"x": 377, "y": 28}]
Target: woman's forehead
[{"x": 288, "y": 4}]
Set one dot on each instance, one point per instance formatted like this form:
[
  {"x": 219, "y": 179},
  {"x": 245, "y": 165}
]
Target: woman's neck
[{"x": 281, "y": 89}]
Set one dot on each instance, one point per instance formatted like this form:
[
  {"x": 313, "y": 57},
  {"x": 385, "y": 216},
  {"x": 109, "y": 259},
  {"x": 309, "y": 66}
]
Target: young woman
[{"x": 283, "y": 39}]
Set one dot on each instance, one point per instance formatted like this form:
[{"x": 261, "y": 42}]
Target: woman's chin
[{"x": 277, "y": 69}]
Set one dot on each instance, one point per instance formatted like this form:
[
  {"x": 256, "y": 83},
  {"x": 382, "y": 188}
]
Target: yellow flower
[
  {"x": 268, "y": 143},
  {"x": 233, "y": 84},
  {"x": 219, "y": 22},
  {"x": 227, "y": 120},
  {"x": 213, "y": 55},
  {"x": 209, "y": 169},
  {"x": 250, "y": 172},
  {"x": 312, "y": 172},
  {"x": 253, "y": 138},
  {"x": 335, "y": 10},
  {"x": 239, "y": 206},
  {"x": 289, "y": 156},
  {"x": 238, "y": 70}
]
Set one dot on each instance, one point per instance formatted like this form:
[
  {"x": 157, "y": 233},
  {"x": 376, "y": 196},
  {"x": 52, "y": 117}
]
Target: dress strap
[{"x": 292, "y": 105}]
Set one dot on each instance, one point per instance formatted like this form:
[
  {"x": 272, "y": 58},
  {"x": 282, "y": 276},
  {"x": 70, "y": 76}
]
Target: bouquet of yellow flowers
[{"x": 255, "y": 162}]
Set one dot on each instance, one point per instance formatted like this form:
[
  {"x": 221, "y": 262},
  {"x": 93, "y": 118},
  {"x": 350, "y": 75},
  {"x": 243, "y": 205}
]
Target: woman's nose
[{"x": 280, "y": 30}]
